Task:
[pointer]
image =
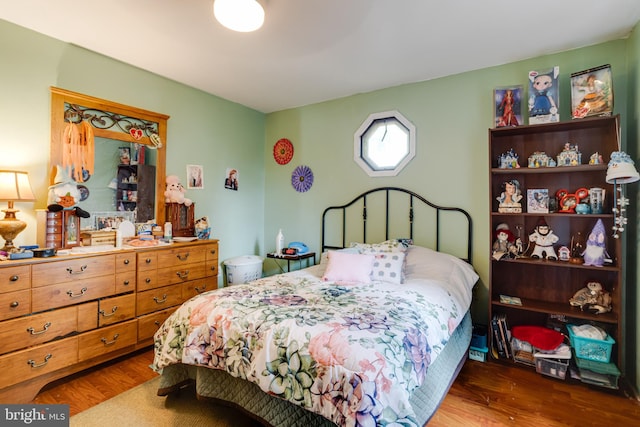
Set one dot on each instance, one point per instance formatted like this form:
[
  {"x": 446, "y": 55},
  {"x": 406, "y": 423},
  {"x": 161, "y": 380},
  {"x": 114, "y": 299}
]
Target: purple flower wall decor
[{"x": 302, "y": 178}]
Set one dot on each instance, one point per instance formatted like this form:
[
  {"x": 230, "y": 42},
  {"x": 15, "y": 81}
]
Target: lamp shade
[
  {"x": 239, "y": 15},
  {"x": 621, "y": 169},
  {"x": 15, "y": 186}
]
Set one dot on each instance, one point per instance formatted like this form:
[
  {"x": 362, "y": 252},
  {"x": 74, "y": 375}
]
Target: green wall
[{"x": 633, "y": 214}]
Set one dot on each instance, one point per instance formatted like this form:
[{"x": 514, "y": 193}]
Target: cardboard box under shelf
[{"x": 98, "y": 237}]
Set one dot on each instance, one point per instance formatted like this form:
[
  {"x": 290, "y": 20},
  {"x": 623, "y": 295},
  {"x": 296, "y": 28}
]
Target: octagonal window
[{"x": 384, "y": 143}]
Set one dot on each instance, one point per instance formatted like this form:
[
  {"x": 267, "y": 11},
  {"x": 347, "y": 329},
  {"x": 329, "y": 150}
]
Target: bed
[{"x": 374, "y": 334}]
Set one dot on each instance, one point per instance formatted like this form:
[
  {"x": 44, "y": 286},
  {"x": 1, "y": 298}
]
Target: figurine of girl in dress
[{"x": 510, "y": 197}]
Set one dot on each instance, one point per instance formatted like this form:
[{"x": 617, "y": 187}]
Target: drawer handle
[
  {"x": 39, "y": 365},
  {"x": 14, "y": 304},
  {"x": 72, "y": 295},
  {"x": 212, "y": 251},
  {"x": 183, "y": 257},
  {"x": 182, "y": 274},
  {"x": 14, "y": 278},
  {"x": 113, "y": 311},
  {"x": 126, "y": 262},
  {"x": 82, "y": 269},
  {"x": 148, "y": 260},
  {"x": 126, "y": 283},
  {"x": 112, "y": 342},
  {"x": 147, "y": 280},
  {"x": 157, "y": 323},
  {"x": 160, "y": 301},
  {"x": 201, "y": 290},
  {"x": 45, "y": 329}
]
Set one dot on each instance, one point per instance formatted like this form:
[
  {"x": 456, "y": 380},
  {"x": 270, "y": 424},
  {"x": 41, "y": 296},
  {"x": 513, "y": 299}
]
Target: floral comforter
[{"x": 352, "y": 354}]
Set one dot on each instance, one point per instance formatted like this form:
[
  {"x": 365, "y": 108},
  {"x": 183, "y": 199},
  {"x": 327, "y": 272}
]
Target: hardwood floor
[{"x": 484, "y": 394}]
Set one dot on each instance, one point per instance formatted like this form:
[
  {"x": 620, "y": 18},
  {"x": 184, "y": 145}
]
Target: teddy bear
[
  {"x": 593, "y": 298},
  {"x": 174, "y": 191},
  {"x": 64, "y": 193}
]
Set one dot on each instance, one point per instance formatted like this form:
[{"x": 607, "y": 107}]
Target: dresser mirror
[{"x": 126, "y": 148}]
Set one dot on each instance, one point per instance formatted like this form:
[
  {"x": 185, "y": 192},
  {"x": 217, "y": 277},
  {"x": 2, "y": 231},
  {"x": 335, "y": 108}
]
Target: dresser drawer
[
  {"x": 147, "y": 261},
  {"x": 125, "y": 282},
  {"x": 158, "y": 299},
  {"x": 35, "y": 361},
  {"x": 211, "y": 268},
  {"x": 32, "y": 330},
  {"x": 15, "y": 278},
  {"x": 147, "y": 279},
  {"x": 15, "y": 304},
  {"x": 181, "y": 256},
  {"x": 196, "y": 287},
  {"x": 212, "y": 252},
  {"x": 149, "y": 324},
  {"x": 106, "y": 340},
  {"x": 72, "y": 270},
  {"x": 126, "y": 262},
  {"x": 181, "y": 274},
  {"x": 53, "y": 296},
  {"x": 116, "y": 309}
]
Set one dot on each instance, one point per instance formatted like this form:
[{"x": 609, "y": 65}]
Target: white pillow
[
  {"x": 388, "y": 267},
  {"x": 392, "y": 245},
  {"x": 346, "y": 268}
]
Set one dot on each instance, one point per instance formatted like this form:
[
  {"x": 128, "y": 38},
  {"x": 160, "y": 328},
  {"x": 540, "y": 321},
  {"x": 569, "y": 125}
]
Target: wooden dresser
[{"x": 64, "y": 314}]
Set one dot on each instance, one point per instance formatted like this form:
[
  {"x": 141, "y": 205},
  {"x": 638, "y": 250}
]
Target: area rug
[{"x": 142, "y": 407}]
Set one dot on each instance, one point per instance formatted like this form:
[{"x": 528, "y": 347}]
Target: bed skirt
[{"x": 270, "y": 410}]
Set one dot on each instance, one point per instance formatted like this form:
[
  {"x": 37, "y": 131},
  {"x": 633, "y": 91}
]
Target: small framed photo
[
  {"x": 125, "y": 155},
  {"x": 544, "y": 99},
  {"x": 538, "y": 200},
  {"x": 195, "y": 177},
  {"x": 507, "y": 106},
  {"x": 592, "y": 92},
  {"x": 111, "y": 220}
]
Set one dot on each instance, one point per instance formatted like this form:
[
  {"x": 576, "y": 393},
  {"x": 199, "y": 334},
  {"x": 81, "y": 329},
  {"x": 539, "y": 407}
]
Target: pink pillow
[{"x": 344, "y": 267}]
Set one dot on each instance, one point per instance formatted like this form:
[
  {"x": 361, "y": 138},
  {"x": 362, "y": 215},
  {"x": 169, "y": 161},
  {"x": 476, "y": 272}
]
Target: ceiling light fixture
[{"x": 239, "y": 15}]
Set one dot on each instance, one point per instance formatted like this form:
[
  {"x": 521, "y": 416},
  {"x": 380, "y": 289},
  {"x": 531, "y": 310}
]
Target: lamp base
[{"x": 9, "y": 229}]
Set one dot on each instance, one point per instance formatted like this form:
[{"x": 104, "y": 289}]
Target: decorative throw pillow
[
  {"x": 392, "y": 245},
  {"x": 387, "y": 267},
  {"x": 324, "y": 258},
  {"x": 343, "y": 267}
]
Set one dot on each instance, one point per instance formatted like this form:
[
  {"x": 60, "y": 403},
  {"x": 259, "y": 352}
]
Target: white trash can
[{"x": 242, "y": 269}]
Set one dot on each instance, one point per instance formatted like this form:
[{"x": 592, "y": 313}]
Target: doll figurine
[
  {"x": 504, "y": 246},
  {"x": 595, "y": 253},
  {"x": 543, "y": 238}
]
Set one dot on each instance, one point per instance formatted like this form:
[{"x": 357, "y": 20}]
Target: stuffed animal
[
  {"x": 592, "y": 298},
  {"x": 174, "y": 191},
  {"x": 64, "y": 193}
]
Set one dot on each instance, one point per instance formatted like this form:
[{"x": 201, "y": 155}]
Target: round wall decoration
[
  {"x": 283, "y": 151},
  {"x": 302, "y": 178}
]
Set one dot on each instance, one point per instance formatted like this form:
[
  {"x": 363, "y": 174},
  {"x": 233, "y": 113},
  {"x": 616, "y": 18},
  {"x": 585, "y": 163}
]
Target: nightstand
[{"x": 308, "y": 257}]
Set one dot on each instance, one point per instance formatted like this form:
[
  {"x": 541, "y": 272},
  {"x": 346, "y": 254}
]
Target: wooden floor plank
[{"x": 483, "y": 395}]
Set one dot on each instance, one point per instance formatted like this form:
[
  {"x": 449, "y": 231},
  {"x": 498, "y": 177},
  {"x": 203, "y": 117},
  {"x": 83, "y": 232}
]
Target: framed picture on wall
[
  {"x": 592, "y": 92},
  {"x": 507, "y": 106}
]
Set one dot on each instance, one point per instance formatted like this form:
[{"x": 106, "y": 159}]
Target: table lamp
[
  {"x": 621, "y": 170},
  {"x": 14, "y": 187}
]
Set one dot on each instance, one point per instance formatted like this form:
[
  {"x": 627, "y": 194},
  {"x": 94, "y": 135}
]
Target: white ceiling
[{"x": 310, "y": 51}]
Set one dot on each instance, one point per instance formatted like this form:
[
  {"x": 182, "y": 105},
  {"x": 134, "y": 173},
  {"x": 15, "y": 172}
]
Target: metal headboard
[{"x": 412, "y": 197}]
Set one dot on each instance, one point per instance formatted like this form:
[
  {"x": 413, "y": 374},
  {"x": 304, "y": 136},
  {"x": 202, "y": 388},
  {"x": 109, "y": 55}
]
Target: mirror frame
[{"x": 61, "y": 96}]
